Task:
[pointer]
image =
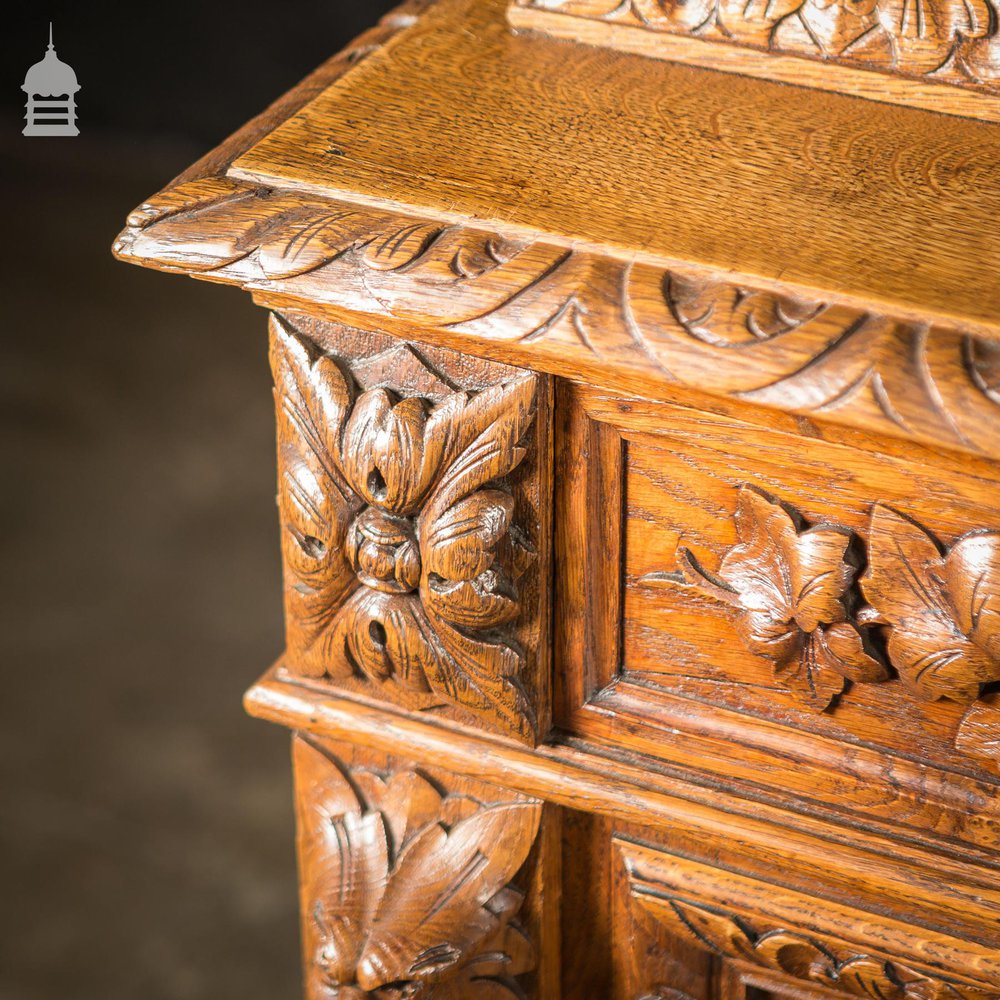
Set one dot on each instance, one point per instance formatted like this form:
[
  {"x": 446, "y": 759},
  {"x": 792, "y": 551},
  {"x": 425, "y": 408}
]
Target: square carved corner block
[{"x": 638, "y": 429}]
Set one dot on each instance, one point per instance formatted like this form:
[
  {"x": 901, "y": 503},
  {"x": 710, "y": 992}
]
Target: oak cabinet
[{"x": 638, "y": 416}]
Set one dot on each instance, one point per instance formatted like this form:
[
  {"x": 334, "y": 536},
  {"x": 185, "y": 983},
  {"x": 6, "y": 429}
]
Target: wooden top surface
[{"x": 459, "y": 118}]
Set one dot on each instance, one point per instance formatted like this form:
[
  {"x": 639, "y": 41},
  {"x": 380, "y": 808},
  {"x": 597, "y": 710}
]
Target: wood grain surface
[
  {"x": 913, "y": 50},
  {"x": 464, "y": 122}
]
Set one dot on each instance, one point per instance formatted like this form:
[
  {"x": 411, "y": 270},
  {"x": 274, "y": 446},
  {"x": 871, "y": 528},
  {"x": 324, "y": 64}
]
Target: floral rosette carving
[
  {"x": 790, "y": 588},
  {"x": 402, "y": 552},
  {"x": 406, "y": 888}
]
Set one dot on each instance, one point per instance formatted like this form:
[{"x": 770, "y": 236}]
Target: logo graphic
[{"x": 50, "y": 86}]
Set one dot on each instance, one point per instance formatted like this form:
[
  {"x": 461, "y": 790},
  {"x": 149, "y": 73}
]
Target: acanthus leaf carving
[
  {"x": 402, "y": 551},
  {"x": 790, "y": 589},
  {"x": 949, "y": 41},
  {"x": 670, "y": 325},
  {"x": 407, "y": 887}
]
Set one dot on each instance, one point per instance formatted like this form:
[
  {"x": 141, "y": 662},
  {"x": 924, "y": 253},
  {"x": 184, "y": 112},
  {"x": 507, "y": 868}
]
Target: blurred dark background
[{"x": 146, "y": 843}]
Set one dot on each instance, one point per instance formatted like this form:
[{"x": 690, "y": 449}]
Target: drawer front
[{"x": 814, "y": 617}]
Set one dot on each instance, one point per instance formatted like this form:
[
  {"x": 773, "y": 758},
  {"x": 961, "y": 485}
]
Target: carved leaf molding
[
  {"x": 790, "y": 589},
  {"x": 947, "y": 40},
  {"x": 401, "y": 548},
  {"x": 406, "y": 887},
  {"x": 697, "y": 329},
  {"x": 938, "y": 610},
  {"x": 812, "y": 958}
]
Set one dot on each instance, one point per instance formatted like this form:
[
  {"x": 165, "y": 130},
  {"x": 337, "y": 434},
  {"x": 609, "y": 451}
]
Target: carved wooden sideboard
[{"x": 637, "y": 381}]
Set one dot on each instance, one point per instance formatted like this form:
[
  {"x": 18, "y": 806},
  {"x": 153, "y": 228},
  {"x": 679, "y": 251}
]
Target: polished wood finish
[
  {"x": 638, "y": 430},
  {"x": 943, "y": 56}
]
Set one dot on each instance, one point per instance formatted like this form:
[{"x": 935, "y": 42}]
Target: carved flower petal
[
  {"x": 461, "y": 544},
  {"x": 383, "y": 635},
  {"x": 972, "y": 578},
  {"x": 905, "y": 584},
  {"x": 361, "y": 452},
  {"x": 479, "y": 603}
]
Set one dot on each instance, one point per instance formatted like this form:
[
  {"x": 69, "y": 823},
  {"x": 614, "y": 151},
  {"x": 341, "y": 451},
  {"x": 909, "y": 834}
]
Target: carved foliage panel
[
  {"x": 411, "y": 500},
  {"x": 798, "y": 941},
  {"x": 409, "y": 880},
  {"x": 799, "y": 580}
]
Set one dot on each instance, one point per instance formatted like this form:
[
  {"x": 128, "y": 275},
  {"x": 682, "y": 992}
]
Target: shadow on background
[{"x": 145, "y": 823}]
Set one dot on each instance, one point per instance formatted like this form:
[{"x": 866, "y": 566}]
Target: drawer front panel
[{"x": 819, "y": 617}]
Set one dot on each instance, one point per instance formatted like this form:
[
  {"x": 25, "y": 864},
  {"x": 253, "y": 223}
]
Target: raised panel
[{"x": 871, "y": 693}]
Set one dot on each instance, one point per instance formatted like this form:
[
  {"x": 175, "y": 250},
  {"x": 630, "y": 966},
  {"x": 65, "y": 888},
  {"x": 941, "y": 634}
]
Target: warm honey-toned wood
[
  {"x": 913, "y": 48},
  {"x": 407, "y": 880},
  {"x": 413, "y": 516},
  {"x": 638, "y": 430}
]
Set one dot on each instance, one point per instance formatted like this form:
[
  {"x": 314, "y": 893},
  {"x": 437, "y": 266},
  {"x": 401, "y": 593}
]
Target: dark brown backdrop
[{"x": 145, "y": 824}]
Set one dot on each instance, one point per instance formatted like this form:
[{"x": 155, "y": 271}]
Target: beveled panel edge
[
  {"x": 950, "y": 65},
  {"x": 662, "y": 323}
]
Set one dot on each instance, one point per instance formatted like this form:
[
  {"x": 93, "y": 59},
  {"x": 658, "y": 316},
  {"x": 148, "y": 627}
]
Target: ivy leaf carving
[
  {"x": 941, "y": 611},
  {"x": 789, "y": 587}
]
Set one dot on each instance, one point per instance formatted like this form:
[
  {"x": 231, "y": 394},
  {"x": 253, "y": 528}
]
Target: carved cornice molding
[
  {"x": 948, "y": 41},
  {"x": 403, "y": 549},
  {"x": 797, "y": 594},
  {"x": 640, "y": 324},
  {"x": 406, "y": 886}
]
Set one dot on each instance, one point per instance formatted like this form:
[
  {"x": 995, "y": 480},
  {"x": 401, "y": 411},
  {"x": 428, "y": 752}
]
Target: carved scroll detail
[
  {"x": 406, "y": 887},
  {"x": 401, "y": 545},
  {"x": 570, "y": 306},
  {"x": 946, "y": 40},
  {"x": 790, "y": 588},
  {"x": 812, "y": 958}
]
